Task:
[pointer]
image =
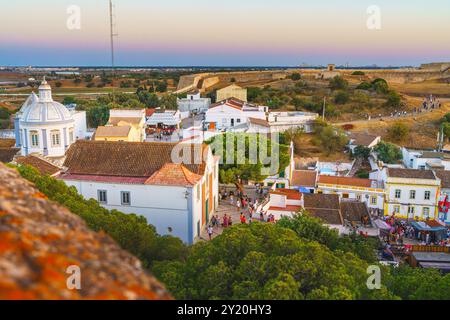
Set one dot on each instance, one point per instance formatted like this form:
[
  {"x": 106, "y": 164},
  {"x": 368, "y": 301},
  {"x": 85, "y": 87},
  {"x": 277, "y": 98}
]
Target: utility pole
[
  {"x": 324, "y": 106},
  {"x": 112, "y": 35}
]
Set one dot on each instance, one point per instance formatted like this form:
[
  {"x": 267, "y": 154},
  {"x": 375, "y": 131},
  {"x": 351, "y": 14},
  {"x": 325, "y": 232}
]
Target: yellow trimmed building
[{"x": 411, "y": 194}]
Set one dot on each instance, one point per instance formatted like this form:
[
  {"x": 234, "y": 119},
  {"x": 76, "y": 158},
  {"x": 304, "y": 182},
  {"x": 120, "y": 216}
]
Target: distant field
[
  {"x": 72, "y": 90},
  {"x": 423, "y": 89}
]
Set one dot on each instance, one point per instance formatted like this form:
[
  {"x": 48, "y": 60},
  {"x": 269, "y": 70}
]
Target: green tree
[
  {"x": 393, "y": 100},
  {"x": 97, "y": 115},
  {"x": 169, "y": 102},
  {"x": 266, "y": 261},
  {"x": 130, "y": 231},
  {"x": 338, "y": 83},
  {"x": 329, "y": 138},
  {"x": 361, "y": 152},
  {"x": 364, "y": 86},
  {"x": 69, "y": 100},
  {"x": 296, "y": 76},
  {"x": 341, "y": 97},
  {"x": 388, "y": 152}
]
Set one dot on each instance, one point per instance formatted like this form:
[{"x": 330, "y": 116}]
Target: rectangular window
[
  {"x": 426, "y": 213},
  {"x": 397, "y": 209},
  {"x": 34, "y": 137},
  {"x": 125, "y": 197},
  {"x": 427, "y": 195},
  {"x": 412, "y": 194},
  {"x": 373, "y": 200},
  {"x": 238, "y": 120},
  {"x": 71, "y": 136},
  {"x": 55, "y": 138},
  {"x": 411, "y": 210},
  {"x": 398, "y": 193},
  {"x": 102, "y": 196}
]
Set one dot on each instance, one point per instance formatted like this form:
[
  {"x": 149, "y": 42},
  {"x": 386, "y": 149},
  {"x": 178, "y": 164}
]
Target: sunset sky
[{"x": 225, "y": 33}]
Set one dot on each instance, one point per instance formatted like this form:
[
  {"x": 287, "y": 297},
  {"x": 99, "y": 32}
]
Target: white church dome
[{"x": 43, "y": 108}]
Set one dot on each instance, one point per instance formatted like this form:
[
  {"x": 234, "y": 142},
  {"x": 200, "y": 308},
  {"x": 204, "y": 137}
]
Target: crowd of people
[
  {"x": 245, "y": 206},
  {"x": 402, "y": 230},
  {"x": 430, "y": 103}
]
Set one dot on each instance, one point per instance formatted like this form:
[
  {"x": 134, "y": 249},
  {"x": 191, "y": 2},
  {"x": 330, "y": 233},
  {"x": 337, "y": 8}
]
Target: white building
[
  {"x": 174, "y": 186},
  {"x": 232, "y": 112},
  {"x": 47, "y": 127},
  {"x": 161, "y": 118},
  {"x": 282, "y": 121},
  {"x": 411, "y": 193},
  {"x": 194, "y": 103},
  {"x": 425, "y": 159}
]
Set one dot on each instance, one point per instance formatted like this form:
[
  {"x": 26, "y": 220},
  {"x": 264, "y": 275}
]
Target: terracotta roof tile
[
  {"x": 132, "y": 120},
  {"x": 39, "y": 240},
  {"x": 444, "y": 175},
  {"x": 131, "y": 159},
  {"x": 353, "y": 210},
  {"x": 304, "y": 178},
  {"x": 346, "y": 181},
  {"x": 411, "y": 173},
  {"x": 173, "y": 174},
  {"x": 289, "y": 193},
  {"x": 259, "y": 122},
  {"x": 7, "y": 154},
  {"x": 324, "y": 206},
  {"x": 43, "y": 166},
  {"x": 362, "y": 139},
  {"x": 112, "y": 131}
]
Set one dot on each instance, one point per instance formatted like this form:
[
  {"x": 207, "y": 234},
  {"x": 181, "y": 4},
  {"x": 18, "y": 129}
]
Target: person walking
[{"x": 210, "y": 232}]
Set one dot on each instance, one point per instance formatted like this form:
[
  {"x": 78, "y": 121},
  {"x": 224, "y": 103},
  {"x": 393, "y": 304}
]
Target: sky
[{"x": 225, "y": 33}]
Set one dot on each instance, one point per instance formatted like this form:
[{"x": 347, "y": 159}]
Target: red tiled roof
[
  {"x": 131, "y": 120},
  {"x": 43, "y": 166},
  {"x": 288, "y": 208},
  {"x": 149, "y": 112},
  {"x": 324, "y": 206},
  {"x": 131, "y": 159},
  {"x": 172, "y": 174},
  {"x": 354, "y": 210},
  {"x": 105, "y": 179},
  {"x": 289, "y": 193},
  {"x": 112, "y": 131},
  {"x": 304, "y": 178},
  {"x": 231, "y": 102},
  {"x": 345, "y": 181},
  {"x": 40, "y": 239},
  {"x": 362, "y": 139},
  {"x": 259, "y": 122},
  {"x": 411, "y": 173}
]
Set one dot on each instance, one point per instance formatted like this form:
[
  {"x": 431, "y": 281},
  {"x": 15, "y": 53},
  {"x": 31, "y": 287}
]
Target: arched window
[
  {"x": 34, "y": 138},
  {"x": 55, "y": 138}
]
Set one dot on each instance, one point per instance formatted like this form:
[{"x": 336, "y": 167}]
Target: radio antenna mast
[{"x": 112, "y": 35}]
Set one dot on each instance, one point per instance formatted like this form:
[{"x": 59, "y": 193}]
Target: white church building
[{"x": 46, "y": 127}]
